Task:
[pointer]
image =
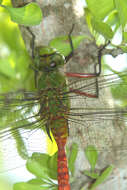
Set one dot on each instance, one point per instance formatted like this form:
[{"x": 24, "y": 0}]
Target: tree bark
[{"x": 58, "y": 18}]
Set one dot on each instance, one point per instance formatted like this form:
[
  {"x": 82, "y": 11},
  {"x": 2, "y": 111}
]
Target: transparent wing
[
  {"x": 20, "y": 126},
  {"x": 98, "y": 121},
  {"x": 91, "y": 120}
]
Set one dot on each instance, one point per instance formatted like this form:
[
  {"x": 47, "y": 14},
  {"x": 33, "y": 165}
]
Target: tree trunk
[{"x": 58, "y": 18}]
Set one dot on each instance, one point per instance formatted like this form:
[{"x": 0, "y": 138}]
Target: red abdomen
[
  {"x": 63, "y": 175},
  {"x": 60, "y": 134}
]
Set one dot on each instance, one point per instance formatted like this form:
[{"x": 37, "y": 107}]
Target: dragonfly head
[{"x": 48, "y": 59}]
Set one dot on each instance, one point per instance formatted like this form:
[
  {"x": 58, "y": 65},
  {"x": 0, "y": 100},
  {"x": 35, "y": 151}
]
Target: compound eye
[{"x": 53, "y": 64}]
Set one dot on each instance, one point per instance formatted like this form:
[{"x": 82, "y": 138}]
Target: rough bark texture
[{"x": 59, "y": 15}]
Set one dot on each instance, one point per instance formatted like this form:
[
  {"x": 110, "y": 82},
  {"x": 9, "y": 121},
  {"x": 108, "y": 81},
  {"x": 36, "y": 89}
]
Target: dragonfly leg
[
  {"x": 85, "y": 93},
  {"x": 99, "y": 59},
  {"x": 33, "y": 55},
  {"x": 32, "y": 42},
  {"x": 24, "y": 3},
  {"x": 34, "y": 68},
  {"x": 79, "y": 75},
  {"x": 71, "y": 45},
  {"x": 90, "y": 75},
  {"x": 98, "y": 64}
]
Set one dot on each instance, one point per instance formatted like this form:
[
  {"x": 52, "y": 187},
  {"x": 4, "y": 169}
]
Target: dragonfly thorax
[{"x": 53, "y": 104}]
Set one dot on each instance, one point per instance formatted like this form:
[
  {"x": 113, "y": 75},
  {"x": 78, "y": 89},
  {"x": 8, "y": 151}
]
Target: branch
[{"x": 114, "y": 52}]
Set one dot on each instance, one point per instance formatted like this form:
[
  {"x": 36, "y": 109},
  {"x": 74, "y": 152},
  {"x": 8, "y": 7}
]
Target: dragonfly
[{"x": 50, "y": 108}]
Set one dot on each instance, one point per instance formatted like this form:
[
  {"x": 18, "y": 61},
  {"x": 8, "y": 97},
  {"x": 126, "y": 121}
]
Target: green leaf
[
  {"x": 28, "y": 15},
  {"x": 36, "y": 181},
  {"x": 10, "y": 68},
  {"x": 124, "y": 48},
  {"x": 26, "y": 186},
  {"x": 102, "y": 28},
  {"x": 35, "y": 184},
  {"x": 72, "y": 157},
  {"x": 43, "y": 183},
  {"x": 1, "y": 1},
  {"x": 88, "y": 17},
  {"x": 125, "y": 37},
  {"x": 121, "y": 7},
  {"x": 112, "y": 18},
  {"x": 92, "y": 156},
  {"x": 54, "y": 188},
  {"x": 91, "y": 174},
  {"x": 52, "y": 165},
  {"x": 100, "y": 8},
  {"x": 102, "y": 177},
  {"x": 41, "y": 165},
  {"x": 62, "y": 44}
]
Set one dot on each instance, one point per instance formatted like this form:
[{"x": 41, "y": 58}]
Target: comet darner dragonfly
[{"x": 48, "y": 108}]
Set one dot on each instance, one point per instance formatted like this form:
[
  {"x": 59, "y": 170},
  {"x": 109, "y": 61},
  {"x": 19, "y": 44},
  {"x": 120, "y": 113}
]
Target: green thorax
[{"x": 50, "y": 82}]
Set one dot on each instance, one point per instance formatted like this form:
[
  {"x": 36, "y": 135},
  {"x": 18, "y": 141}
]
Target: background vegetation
[{"x": 14, "y": 59}]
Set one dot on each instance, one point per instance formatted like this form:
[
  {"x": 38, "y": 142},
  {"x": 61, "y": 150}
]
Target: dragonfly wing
[
  {"x": 20, "y": 127},
  {"x": 97, "y": 121}
]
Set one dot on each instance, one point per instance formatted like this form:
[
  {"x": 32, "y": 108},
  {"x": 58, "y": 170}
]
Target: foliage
[
  {"x": 104, "y": 23},
  {"x": 13, "y": 56},
  {"x": 100, "y": 179},
  {"x": 44, "y": 167},
  {"x": 28, "y": 15},
  {"x": 107, "y": 20},
  {"x": 92, "y": 156},
  {"x": 62, "y": 43},
  {"x": 72, "y": 155}
]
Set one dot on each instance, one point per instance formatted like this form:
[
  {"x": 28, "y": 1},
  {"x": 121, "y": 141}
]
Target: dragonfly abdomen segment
[
  {"x": 63, "y": 175},
  {"x": 60, "y": 134}
]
